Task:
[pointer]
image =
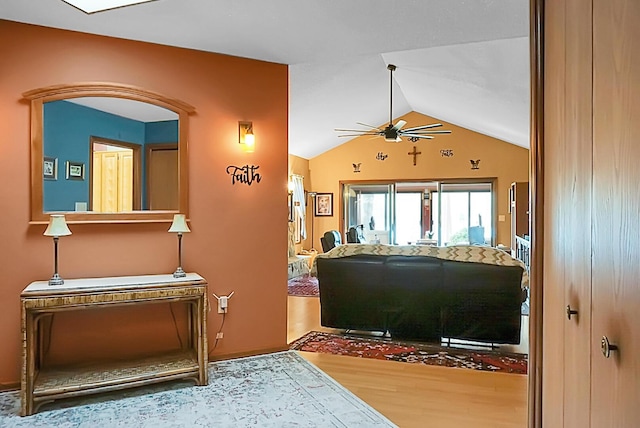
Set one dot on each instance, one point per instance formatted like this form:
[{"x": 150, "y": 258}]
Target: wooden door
[
  {"x": 112, "y": 185},
  {"x": 554, "y": 230},
  {"x": 615, "y": 386},
  {"x": 577, "y": 212},
  {"x": 567, "y": 215},
  {"x": 125, "y": 181},
  {"x": 162, "y": 177},
  {"x": 592, "y": 227}
]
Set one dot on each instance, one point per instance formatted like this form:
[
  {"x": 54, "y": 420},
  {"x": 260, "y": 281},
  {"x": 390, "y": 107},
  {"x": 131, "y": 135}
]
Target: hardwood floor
[{"x": 415, "y": 395}]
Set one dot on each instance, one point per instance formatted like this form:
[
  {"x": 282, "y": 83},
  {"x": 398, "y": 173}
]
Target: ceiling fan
[{"x": 391, "y": 132}]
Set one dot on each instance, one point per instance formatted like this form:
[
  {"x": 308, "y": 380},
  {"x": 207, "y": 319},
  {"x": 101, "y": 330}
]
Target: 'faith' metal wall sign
[{"x": 244, "y": 174}]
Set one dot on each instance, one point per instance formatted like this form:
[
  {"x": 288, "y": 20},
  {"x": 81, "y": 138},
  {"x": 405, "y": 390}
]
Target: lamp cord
[{"x": 215, "y": 343}]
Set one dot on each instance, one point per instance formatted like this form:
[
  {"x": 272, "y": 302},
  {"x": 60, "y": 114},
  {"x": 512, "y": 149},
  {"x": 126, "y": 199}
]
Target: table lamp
[
  {"x": 179, "y": 226},
  {"x": 57, "y": 227}
]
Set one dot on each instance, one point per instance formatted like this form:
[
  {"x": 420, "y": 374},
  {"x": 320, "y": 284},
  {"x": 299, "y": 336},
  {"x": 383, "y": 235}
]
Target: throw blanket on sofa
[{"x": 460, "y": 253}]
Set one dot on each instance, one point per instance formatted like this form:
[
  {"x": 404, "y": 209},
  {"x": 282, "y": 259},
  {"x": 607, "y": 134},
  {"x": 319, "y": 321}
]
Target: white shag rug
[{"x": 274, "y": 390}]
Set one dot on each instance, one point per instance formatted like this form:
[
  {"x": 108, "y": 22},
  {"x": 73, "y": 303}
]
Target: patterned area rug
[
  {"x": 305, "y": 286},
  {"x": 409, "y": 352},
  {"x": 274, "y": 390}
]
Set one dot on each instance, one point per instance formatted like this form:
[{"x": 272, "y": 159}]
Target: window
[{"x": 404, "y": 212}]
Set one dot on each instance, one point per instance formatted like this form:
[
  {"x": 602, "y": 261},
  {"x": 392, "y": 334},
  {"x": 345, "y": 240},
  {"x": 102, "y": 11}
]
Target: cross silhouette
[{"x": 415, "y": 155}]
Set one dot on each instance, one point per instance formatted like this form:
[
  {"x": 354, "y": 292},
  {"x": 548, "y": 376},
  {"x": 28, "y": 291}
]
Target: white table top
[{"x": 139, "y": 281}]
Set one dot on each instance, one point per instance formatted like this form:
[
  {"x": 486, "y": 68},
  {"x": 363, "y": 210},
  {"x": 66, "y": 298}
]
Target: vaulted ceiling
[{"x": 461, "y": 61}]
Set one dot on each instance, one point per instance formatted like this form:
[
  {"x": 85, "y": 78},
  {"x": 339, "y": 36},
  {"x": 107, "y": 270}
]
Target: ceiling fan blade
[
  {"x": 369, "y": 126},
  {"x": 357, "y": 135},
  {"x": 412, "y": 136},
  {"x": 352, "y": 130},
  {"x": 425, "y": 132},
  {"x": 417, "y": 128},
  {"x": 400, "y": 124}
]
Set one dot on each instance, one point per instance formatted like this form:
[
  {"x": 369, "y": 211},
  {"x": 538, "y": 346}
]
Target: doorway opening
[{"x": 115, "y": 176}]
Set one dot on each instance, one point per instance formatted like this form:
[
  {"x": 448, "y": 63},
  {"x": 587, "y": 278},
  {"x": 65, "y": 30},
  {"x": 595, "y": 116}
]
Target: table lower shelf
[{"x": 61, "y": 382}]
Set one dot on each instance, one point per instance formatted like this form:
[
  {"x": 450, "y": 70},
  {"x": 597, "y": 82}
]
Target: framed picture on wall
[
  {"x": 75, "y": 170},
  {"x": 290, "y": 200},
  {"x": 323, "y": 205},
  {"x": 50, "y": 168}
]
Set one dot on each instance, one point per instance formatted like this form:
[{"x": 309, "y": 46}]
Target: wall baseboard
[
  {"x": 9, "y": 386},
  {"x": 223, "y": 357}
]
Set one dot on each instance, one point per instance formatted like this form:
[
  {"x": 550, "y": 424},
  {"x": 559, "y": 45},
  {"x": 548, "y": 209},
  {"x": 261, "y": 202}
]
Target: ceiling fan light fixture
[{"x": 393, "y": 133}]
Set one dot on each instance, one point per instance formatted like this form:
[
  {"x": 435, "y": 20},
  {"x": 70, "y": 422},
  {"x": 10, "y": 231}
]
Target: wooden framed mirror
[{"x": 108, "y": 153}]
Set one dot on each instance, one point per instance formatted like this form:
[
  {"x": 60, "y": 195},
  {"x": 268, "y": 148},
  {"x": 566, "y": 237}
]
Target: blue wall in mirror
[{"x": 66, "y": 136}]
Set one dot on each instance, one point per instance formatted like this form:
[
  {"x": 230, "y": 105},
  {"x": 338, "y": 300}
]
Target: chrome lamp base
[{"x": 56, "y": 280}]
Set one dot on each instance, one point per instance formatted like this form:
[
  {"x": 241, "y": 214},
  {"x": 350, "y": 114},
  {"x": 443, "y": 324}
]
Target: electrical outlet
[
  {"x": 219, "y": 335},
  {"x": 223, "y": 304}
]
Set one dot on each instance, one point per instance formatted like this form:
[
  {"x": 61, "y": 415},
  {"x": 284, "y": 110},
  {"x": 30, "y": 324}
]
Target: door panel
[
  {"x": 464, "y": 213},
  {"x": 616, "y": 239},
  {"x": 162, "y": 179},
  {"x": 113, "y": 185},
  {"x": 371, "y": 205},
  {"x": 567, "y": 219},
  {"x": 125, "y": 181},
  {"x": 408, "y": 217},
  {"x": 109, "y": 182},
  {"x": 555, "y": 233},
  {"x": 577, "y": 217}
]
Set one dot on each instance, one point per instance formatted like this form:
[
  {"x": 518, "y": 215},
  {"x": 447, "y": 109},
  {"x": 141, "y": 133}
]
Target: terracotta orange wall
[
  {"x": 300, "y": 166},
  {"x": 504, "y": 161},
  {"x": 238, "y": 240}
]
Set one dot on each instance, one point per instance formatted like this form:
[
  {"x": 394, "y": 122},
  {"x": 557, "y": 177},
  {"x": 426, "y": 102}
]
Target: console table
[{"x": 39, "y": 301}]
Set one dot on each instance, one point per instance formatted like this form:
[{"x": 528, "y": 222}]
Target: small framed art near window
[{"x": 323, "y": 205}]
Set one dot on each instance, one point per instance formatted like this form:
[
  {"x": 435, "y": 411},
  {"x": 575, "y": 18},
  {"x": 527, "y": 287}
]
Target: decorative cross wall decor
[{"x": 415, "y": 154}]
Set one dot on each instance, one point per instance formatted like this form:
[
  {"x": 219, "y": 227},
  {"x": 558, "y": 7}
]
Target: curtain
[{"x": 299, "y": 202}]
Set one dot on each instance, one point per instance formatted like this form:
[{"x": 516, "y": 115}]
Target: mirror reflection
[{"x": 109, "y": 155}]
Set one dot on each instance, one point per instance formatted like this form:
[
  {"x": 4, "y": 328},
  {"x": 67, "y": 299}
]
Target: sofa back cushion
[
  {"x": 415, "y": 296},
  {"x": 476, "y": 291},
  {"x": 352, "y": 292}
]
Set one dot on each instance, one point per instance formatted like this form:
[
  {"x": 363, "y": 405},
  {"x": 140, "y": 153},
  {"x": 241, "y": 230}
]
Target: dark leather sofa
[{"x": 421, "y": 297}]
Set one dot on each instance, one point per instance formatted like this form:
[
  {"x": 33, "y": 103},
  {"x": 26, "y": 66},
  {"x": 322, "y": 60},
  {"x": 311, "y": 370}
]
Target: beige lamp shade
[
  {"x": 57, "y": 226},
  {"x": 179, "y": 224}
]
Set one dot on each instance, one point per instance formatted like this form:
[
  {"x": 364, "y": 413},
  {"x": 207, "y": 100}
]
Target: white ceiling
[
  {"x": 461, "y": 61},
  {"x": 136, "y": 110}
]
